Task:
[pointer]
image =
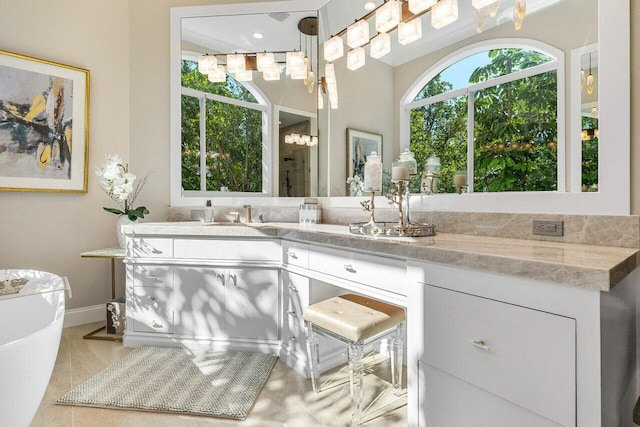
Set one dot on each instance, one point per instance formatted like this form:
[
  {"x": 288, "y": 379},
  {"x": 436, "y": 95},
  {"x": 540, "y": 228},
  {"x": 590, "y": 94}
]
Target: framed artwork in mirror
[
  {"x": 44, "y": 125},
  {"x": 360, "y": 145}
]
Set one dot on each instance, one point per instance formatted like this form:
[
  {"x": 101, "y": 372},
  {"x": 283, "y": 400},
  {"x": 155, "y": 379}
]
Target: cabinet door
[
  {"x": 450, "y": 401},
  {"x": 199, "y": 302},
  {"x": 252, "y": 301}
]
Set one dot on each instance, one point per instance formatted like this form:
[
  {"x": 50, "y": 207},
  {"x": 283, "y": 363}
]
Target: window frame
[
  {"x": 202, "y": 97},
  {"x": 470, "y": 90},
  {"x": 181, "y": 197}
]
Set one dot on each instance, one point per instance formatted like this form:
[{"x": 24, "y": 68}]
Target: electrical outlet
[{"x": 548, "y": 227}]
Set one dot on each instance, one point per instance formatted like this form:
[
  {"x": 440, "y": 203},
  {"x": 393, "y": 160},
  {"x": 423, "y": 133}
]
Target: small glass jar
[
  {"x": 373, "y": 173},
  {"x": 433, "y": 165},
  {"x": 408, "y": 160}
]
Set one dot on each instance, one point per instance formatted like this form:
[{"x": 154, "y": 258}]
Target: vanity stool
[{"x": 355, "y": 320}]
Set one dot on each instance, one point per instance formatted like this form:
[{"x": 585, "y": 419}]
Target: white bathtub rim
[{"x": 39, "y": 282}]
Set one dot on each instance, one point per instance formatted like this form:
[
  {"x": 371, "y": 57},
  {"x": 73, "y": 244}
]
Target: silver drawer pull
[
  {"x": 156, "y": 325},
  {"x": 291, "y": 313},
  {"x": 480, "y": 344},
  {"x": 292, "y": 255},
  {"x": 291, "y": 338},
  {"x": 349, "y": 268}
]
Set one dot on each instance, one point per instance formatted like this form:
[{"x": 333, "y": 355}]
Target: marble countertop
[{"x": 587, "y": 266}]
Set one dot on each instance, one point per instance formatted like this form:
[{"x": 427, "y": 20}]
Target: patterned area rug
[{"x": 177, "y": 380}]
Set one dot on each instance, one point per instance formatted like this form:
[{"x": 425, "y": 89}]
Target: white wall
[{"x": 48, "y": 231}]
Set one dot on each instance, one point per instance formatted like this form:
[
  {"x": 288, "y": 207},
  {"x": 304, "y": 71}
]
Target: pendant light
[
  {"x": 590, "y": 79},
  {"x": 358, "y": 34},
  {"x": 380, "y": 45},
  {"x": 418, "y": 6},
  {"x": 218, "y": 75},
  {"x": 355, "y": 58},
  {"x": 409, "y": 32},
  {"x": 236, "y": 62},
  {"x": 207, "y": 63},
  {"x": 388, "y": 16},
  {"x": 444, "y": 13},
  {"x": 333, "y": 49}
]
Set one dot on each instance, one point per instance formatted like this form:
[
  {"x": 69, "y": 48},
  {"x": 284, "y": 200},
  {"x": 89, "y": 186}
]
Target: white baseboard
[{"x": 84, "y": 315}]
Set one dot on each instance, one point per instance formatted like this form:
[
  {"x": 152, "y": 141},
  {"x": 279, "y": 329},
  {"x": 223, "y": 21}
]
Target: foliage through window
[
  {"x": 222, "y": 134},
  {"x": 507, "y": 99}
]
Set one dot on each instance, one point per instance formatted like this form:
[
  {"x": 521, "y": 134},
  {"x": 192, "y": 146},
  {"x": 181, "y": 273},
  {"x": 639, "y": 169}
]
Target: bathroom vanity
[{"x": 502, "y": 331}]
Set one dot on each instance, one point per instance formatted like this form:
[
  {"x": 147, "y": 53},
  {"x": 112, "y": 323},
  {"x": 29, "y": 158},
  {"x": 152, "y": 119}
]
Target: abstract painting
[{"x": 44, "y": 112}]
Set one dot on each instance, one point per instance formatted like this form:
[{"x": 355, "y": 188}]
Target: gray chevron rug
[{"x": 177, "y": 380}]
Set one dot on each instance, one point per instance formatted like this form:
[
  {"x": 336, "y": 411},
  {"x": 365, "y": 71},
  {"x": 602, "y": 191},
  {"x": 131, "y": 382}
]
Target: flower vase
[{"x": 122, "y": 238}]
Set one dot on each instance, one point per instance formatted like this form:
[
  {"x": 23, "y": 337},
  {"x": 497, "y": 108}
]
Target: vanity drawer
[
  {"x": 228, "y": 250},
  {"x": 154, "y": 276},
  {"x": 160, "y": 322},
  {"x": 381, "y": 272},
  {"x": 150, "y": 310},
  {"x": 152, "y": 247},
  {"x": 525, "y": 356},
  {"x": 296, "y": 254}
]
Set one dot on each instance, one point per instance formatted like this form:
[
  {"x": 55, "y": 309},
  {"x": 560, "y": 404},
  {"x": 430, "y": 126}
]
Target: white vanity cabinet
[
  {"x": 516, "y": 357},
  {"x": 230, "y": 302},
  {"x": 496, "y": 350}
]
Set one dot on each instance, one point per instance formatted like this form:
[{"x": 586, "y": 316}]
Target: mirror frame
[{"x": 613, "y": 197}]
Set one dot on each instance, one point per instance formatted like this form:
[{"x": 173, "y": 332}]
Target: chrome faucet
[{"x": 247, "y": 209}]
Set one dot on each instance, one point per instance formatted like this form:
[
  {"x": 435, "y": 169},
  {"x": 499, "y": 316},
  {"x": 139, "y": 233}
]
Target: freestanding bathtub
[{"x": 30, "y": 329}]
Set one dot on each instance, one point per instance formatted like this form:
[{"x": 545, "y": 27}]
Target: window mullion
[
  {"x": 470, "y": 140},
  {"x": 203, "y": 144}
]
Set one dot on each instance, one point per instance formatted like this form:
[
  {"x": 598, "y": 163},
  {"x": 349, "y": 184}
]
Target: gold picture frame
[{"x": 44, "y": 125}]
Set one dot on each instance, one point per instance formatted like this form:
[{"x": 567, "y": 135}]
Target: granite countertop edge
[{"x": 586, "y": 266}]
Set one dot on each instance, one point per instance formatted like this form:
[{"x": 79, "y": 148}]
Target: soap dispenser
[{"x": 208, "y": 212}]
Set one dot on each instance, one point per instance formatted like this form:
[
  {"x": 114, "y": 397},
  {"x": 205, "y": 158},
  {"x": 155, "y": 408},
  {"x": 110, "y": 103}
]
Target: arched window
[
  {"x": 223, "y": 135},
  {"x": 492, "y": 112}
]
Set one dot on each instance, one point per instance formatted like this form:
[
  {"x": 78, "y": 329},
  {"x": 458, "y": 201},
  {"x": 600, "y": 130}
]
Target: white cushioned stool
[{"x": 354, "y": 320}]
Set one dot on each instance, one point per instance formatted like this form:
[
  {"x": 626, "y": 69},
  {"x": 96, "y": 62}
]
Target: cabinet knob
[
  {"x": 481, "y": 345},
  {"x": 292, "y": 338},
  {"x": 292, "y": 255},
  {"x": 291, "y": 313}
]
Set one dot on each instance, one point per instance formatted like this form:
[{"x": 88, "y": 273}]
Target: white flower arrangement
[
  {"x": 356, "y": 185},
  {"x": 119, "y": 184}
]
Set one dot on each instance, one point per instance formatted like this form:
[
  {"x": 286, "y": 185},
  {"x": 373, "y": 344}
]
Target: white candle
[
  {"x": 459, "y": 180},
  {"x": 399, "y": 173}
]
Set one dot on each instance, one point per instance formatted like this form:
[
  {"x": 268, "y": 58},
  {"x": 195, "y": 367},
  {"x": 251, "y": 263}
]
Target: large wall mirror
[{"x": 373, "y": 99}]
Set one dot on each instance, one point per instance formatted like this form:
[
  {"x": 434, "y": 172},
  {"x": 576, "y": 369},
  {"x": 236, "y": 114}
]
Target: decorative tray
[{"x": 392, "y": 229}]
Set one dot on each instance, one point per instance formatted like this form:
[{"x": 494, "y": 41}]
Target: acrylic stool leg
[
  {"x": 396, "y": 359},
  {"x": 356, "y": 373},
  {"x": 313, "y": 354}
]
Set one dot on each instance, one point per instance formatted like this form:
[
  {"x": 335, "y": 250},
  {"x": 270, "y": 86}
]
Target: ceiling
[{"x": 234, "y": 33}]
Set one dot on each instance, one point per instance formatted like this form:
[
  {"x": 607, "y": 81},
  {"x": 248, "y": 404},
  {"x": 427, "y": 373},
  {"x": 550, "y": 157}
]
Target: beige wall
[
  {"x": 48, "y": 231},
  {"x": 125, "y": 45}
]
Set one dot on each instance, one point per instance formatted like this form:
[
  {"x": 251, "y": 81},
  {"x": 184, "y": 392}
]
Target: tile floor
[{"x": 285, "y": 400}]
